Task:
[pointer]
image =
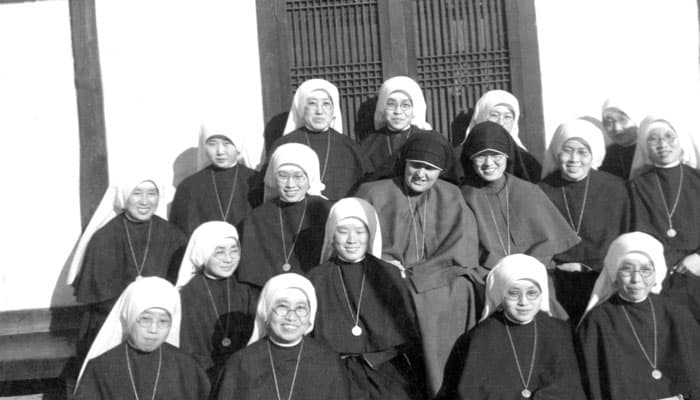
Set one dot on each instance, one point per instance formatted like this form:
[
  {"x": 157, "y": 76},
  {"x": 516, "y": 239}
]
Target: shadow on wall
[
  {"x": 274, "y": 129},
  {"x": 364, "y": 123}
]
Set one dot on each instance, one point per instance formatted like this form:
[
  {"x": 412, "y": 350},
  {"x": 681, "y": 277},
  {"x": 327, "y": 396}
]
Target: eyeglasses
[
  {"x": 668, "y": 138},
  {"x": 223, "y": 254},
  {"x": 627, "y": 272},
  {"x": 495, "y": 116},
  {"x": 498, "y": 158},
  {"x": 569, "y": 153},
  {"x": 515, "y": 295},
  {"x": 326, "y": 106},
  {"x": 404, "y": 106},
  {"x": 285, "y": 176},
  {"x": 148, "y": 321},
  {"x": 282, "y": 310}
]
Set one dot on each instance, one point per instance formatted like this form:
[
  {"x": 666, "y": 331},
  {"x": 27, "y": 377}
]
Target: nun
[
  {"x": 585, "y": 196},
  {"x": 665, "y": 188},
  {"x": 281, "y": 361},
  {"x": 285, "y": 234},
  {"x": 136, "y": 355},
  {"x": 429, "y": 234},
  {"x": 315, "y": 120},
  {"x": 217, "y": 310},
  {"x": 365, "y": 310},
  {"x": 124, "y": 240},
  {"x": 619, "y": 117},
  {"x": 634, "y": 343},
  {"x": 223, "y": 189},
  {"x": 518, "y": 350}
]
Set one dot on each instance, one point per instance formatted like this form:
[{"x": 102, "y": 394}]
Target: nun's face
[
  {"x": 221, "y": 151},
  {"x": 290, "y": 316},
  {"x": 318, "y": 111},
  {"x": 619, "y": 127},
  {"x": 350, "y": 239},
  {"x": 142, "y": 201},
  {"x": 663, "y": 145},
  {"x": 224, "y": 260},
  {"x": 522, "y": 301},
  {"x": 398, "y": 111},
  {"x": 419, "y": 176},
  {"x": 292, "y": 183},
  {"x": 490, "y": 165},
  {"x": 575, "y": 159},
  {"x": 635, "y": 277},
  {"x": 503, "y": 115},
  {"x": 150, "y": 329}
]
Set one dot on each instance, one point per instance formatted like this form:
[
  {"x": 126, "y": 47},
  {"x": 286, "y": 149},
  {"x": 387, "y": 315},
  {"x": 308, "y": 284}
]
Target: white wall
[
  {"x": 39, "y": 154},
  {"x": 647, "y": 50}
]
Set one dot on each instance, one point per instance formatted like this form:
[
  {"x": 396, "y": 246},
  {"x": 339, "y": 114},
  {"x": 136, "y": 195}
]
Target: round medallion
[
  {"x": 286, "y": 267},
  {"x": 356, "y": 330},
  {"x": 671, "y": 233},
  {"x": 656, "y": 374},
  {"x": 526, "y": 393},
  {"x": 226, "y": 342}
]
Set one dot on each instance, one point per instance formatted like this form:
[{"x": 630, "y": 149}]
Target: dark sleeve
[
  {"x": 589, "y": 343},
  {"x": 179, "y": 212},
  {"x": 454, "y": 369},
  {"x": 566, "y": 379},
  {"x": 87, "y": 388},
  {"x": 229, "y": 385},
  {"x": 178, "y": 243}
]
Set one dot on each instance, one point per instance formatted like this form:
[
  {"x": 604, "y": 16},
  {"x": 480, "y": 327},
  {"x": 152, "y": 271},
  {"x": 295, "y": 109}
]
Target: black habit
[
  {"x": 618, "y": 160},
  {"x": 380, "y": 146}
]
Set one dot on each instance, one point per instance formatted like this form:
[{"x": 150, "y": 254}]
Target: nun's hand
[
  {"x": 571, "y": 267},
  {"x": 691, "y": 263}
]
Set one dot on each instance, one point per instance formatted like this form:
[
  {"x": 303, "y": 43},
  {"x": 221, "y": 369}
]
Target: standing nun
[
  {"x": 518, "y": 350},
  {"x": 365, "y": 310},
  {"x": 585, "y": 197},
  {"x": 135, "y": 355},
  {"x": 315, "y": 120},
  {"x": 665, "y": 188},
  {"x": 286, "y": 232},
  {"x": 619, "y": 119},
  {"x": 282, "y": 362},
  {"x": 222, "y": 190},
  {"x": 634, "y": 343},
  {"x": 217, "y": 310},
  {"x": 124, "y": 240}
]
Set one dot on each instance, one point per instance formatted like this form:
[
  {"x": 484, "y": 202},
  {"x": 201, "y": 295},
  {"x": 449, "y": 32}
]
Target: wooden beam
[{"x": 94, "y": 175}]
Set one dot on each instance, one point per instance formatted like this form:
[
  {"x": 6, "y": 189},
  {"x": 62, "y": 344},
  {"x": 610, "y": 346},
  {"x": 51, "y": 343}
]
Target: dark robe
[
  {"x": 607, "y": 201},
  {"x": 384, "y": 362},
  {"x": 248, "y": 373},
  {"x": 107, "y": 376},
  {"x": 261, "y": 239},
  {"x": 344, "y": 163},
  {"x": 202, "y": 330},
  {"x": 618, "y": 160},
  {"x": 482, "y": 364},
  {"x": 108, "y": 266},
  {"x": 380, "y": 146},
  {"x": 649, "y": 215},
  {"x": 615, "y": 367},
  {"x": 195, "y": 202}
]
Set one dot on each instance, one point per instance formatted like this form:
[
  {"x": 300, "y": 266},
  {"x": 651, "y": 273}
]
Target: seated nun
[
  {"x": 217, "y": 310},
  {"x": 281, "y": 361},
  {"x": 123, "y": 241},
  {"x": 518, "y": 350},
  {"x": 665, "y": 189},
  {"x": 286, "y": 232},
  {"x": 135, "y": 355},
  {"x": 315, "y": 120},
  {"x": 222, "y": 190},
  {"x": 365, "y": 310},
  {"x": 585, "y": 197},
  {"x": 399, "y": 113},
  {"x": 634, "y": 343},
  {"x": 620, "y": 125},
  {"x": 503, "y": 108},
  {"x": 430, "y": 234}
]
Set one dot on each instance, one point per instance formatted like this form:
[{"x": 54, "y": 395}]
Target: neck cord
[
  {"x": 274, "y": 374},
  {"x": 139, "y": 268},
  {"x": 356, "y": 330},
  {"x": 224, "y": 215},
  {"x": 420, "y": 251},
  {"x": 506, "y": 250},
  {"x": 669, "y": 214},
  {"x": 288, "y": 255},
  {"x": 525, "y": 392},
  {"x": 328, "y": 151},
  {"x": 131, "y": 375},
  {"x": 388, "y": 141},
  {"x": 583, "y": 206},
  {"x": 639, "y": 342},
  {"x": 226, "y": 342}
]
